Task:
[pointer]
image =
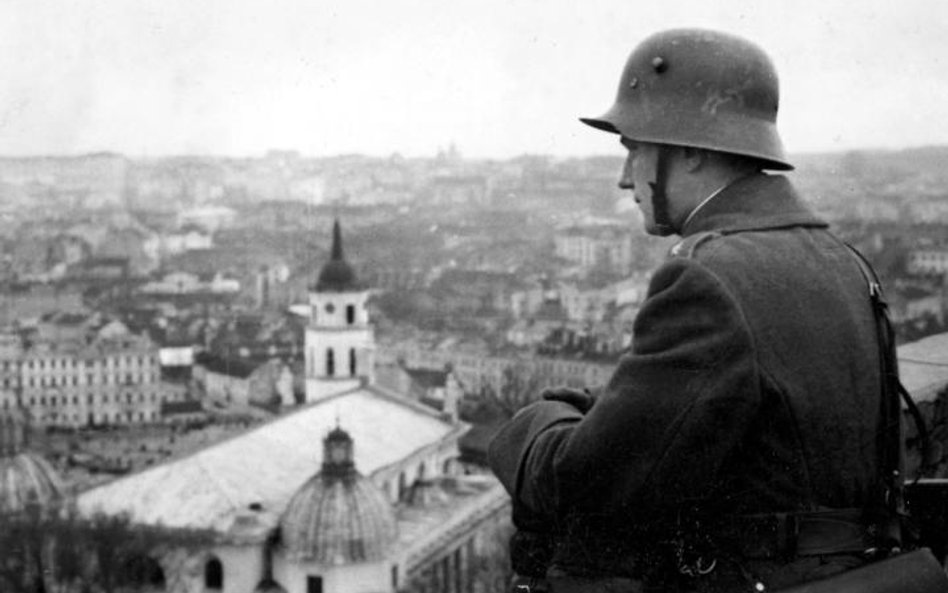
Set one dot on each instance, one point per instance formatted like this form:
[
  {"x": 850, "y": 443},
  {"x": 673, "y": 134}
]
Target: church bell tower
[{"x": 339, "y": 339}]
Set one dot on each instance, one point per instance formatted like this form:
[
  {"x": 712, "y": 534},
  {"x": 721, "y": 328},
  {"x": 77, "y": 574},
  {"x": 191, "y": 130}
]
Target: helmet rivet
[
  {"x": 659, "y": 64},
  {"x": 633, "y": 83}
]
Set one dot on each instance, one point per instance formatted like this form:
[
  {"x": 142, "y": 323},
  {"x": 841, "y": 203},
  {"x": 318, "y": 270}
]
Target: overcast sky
[{"x": 497, "y": 78}]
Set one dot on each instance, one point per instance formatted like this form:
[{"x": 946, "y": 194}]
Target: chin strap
[{"x": 660, "y": 213}]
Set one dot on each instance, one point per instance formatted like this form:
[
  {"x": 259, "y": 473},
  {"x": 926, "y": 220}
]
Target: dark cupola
[{"x": 337, "y": 275}]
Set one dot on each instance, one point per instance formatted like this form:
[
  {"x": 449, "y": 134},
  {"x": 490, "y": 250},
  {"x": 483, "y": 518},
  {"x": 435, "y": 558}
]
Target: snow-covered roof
[
  {"x": 266, "y": 466},
  {"x": 923, "y": 366}
]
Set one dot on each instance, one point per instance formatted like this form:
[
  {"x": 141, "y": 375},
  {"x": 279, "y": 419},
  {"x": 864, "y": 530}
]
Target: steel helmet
[{"x": 693, "y": 87}]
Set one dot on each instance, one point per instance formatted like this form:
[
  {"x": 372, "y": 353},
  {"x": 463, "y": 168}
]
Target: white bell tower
[{"x": 340, "y": 342}]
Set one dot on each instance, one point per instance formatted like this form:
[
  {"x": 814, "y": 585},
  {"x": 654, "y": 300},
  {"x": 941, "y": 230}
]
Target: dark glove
[{"x": 581, "y": 399}]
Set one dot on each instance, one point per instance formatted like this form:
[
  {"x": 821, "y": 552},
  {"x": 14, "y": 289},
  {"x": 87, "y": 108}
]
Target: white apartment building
[
  {"x": 109, "y": 381},
  {"x": 606, "y": 246}
]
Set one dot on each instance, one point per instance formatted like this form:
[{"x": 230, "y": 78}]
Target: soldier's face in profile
[{"x": 637, "y": 175}]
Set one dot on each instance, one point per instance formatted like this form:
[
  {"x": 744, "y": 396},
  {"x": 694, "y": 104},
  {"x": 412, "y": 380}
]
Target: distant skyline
[{"x": 496, "y": 78}]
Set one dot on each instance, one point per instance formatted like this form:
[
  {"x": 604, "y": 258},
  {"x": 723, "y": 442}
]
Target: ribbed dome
[
  {"x": 337, "y": 275},
  {"x": 25, "y": 477},
  {"x": 338, "y": 516}
]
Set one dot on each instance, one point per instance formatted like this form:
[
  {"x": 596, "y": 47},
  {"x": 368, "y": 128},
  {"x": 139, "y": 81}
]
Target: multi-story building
[
  {"x": 476, "y": 370},
  {"x": 607, "y": 247},
  {"x": 932, "y": 260},
  {"x": 108, "y": 380}
]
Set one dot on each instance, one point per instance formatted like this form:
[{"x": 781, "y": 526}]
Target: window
[
  {"x": 352, "y": 362},
  {"x": 330, "y": 363},
  {"x": 213, "y": 574},
  {"x": 314, "y": 584},
  {"x": 350, "y": 314}
]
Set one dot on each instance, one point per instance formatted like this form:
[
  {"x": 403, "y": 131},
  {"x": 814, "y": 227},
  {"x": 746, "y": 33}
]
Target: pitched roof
[
  {"x": 181, "y": 407},
  {"x": 268, "y": 464},
  {"x": 232, "y": 367},
  {"x": 923, "y": 366}
]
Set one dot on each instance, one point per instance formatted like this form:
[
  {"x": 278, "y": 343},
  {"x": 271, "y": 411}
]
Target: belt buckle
[{"x": 529, "y": 585}]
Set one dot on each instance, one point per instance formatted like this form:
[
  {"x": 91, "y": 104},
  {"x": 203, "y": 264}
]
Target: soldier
[{"x": 735, "y": 447}]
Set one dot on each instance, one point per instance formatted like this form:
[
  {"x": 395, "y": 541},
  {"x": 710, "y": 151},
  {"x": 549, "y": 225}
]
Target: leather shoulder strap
[{"x": 887, "y": 350}]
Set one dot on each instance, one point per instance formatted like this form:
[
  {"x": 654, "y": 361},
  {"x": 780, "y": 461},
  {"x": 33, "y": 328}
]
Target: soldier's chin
[{"x": 658, "y": 230}]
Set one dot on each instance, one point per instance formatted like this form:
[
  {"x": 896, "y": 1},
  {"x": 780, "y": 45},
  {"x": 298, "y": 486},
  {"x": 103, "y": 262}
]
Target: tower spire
[
  {"x": 337, "y": 254},
  {"x": 337, "y": 275}
]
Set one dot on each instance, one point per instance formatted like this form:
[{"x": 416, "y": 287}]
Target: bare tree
[
  {"x": 58, "y": 551},
  {"x": 519, "y": 385}
]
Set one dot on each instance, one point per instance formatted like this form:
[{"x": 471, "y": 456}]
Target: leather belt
[{"x": 788, "y": 535}]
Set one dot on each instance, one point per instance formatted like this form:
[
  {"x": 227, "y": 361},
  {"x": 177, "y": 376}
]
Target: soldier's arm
[{"x": 660, "y": 431}]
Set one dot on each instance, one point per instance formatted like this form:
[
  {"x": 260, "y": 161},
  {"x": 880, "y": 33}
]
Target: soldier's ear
[{"x": 693, "y": 158}]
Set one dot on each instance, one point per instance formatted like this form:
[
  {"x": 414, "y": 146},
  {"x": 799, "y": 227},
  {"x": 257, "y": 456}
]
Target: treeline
[{"x": 56, "y": 550}]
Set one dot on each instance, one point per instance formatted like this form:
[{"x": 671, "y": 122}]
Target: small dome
[
  {"x": 337, "y": 275},
  {"x": 338, "y": 516},
  {"x": 25, "y": 478}
]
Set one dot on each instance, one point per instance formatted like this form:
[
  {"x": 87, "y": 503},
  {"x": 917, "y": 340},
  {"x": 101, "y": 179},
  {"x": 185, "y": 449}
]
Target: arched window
[
  {"x": 214, "y": 574},
  {"x": 352, "y": 362},
  {"x": 350, "y": 314},
  {"x": 330, "y": 362}
]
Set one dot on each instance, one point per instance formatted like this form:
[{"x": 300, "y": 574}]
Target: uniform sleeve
[{"x": 658, "y": 435}]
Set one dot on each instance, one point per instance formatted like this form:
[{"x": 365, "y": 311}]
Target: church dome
[
  {"x": 337, "y": 275},
  {"x": 338, "y": 516},
  {"x": 25, "y": 477}
]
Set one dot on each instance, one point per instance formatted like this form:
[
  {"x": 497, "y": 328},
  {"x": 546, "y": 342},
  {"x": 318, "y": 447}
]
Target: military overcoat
[{"x": 752, "y": 386}]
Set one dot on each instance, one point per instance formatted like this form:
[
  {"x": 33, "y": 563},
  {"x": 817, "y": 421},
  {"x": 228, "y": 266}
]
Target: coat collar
[{"x": 757, "y": 202}]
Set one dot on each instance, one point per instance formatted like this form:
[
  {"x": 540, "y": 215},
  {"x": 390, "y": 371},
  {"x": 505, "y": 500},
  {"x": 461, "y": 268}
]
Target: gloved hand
[{"x": 581, "y": 399}]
